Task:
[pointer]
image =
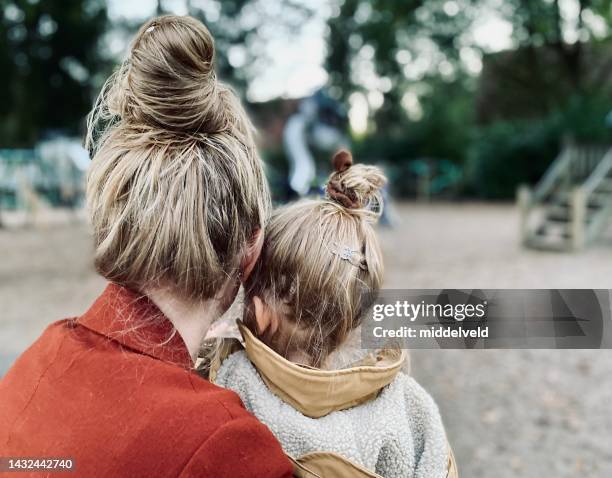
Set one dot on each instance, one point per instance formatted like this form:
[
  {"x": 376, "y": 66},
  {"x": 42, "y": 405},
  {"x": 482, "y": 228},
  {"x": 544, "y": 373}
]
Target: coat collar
[
  {"x": 135, "y": 322},
  {"x": 316, "y": 393}
]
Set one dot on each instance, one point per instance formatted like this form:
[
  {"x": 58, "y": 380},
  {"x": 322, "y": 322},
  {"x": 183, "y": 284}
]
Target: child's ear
[
  {"x": 265, "y": 317},
  {"x": 252, "y": 254}
]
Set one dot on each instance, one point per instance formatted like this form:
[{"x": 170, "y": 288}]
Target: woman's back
[{"x": 118, "y": 403}]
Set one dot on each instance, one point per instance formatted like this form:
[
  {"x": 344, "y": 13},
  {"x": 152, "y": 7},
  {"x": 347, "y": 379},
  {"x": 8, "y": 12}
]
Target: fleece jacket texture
[{"x": 399, "y": 434}]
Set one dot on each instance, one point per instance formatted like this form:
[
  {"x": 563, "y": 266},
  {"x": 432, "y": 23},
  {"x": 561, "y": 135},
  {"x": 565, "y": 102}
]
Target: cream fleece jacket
[{"x": 399, "y": 434}]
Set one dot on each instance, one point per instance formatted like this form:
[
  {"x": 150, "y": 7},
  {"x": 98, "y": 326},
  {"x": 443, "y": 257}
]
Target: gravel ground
[{"x": 509, "y": 413}]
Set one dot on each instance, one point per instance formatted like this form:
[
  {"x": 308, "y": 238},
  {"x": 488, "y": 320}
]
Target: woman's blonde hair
[
  {"x": 321, "y": 264},
  {"x": 176, "y": 188}
]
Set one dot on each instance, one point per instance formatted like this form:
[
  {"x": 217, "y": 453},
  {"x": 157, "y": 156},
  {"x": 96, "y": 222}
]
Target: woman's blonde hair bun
[
  {"x": 356, "y": 187},
  {"x": 176, "y": 187},
  {"x": 169, "y": 81}
]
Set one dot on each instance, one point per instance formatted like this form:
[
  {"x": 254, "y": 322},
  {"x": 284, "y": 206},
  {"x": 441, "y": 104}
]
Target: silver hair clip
[
  {"x": 150, "y": 29},
  {"x": 347, "y": 254}
]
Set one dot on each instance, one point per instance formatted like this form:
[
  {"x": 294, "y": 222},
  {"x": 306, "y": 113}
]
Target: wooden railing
[
  {"x": 598, "y": 177},
  {"x": 572, "y": 183},
  {"x": 558, "y": 171},
  {"x": 599, "y": 173}
]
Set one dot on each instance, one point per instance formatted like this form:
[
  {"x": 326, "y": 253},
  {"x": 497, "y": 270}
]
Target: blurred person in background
[{"x": 318, "y": 127}]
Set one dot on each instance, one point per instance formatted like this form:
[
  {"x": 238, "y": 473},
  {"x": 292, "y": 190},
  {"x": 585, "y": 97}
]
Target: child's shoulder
[
  {"x": 413, "y": 392},
  {"x": 420, "y": 408},
  {"x": 239, "y": 374},
  {"x": 234, "y": 367}
]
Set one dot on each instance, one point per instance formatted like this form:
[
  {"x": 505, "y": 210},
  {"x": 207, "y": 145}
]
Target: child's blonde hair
[
  {"x": 320, "y": 263},
  {"x": 176, "y": 189}
]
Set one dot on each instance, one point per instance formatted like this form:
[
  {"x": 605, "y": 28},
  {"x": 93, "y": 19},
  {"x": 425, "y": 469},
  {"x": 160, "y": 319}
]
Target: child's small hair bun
[
  {"x": 356, "y": 187},
  {"x": 342, "y": 160}
]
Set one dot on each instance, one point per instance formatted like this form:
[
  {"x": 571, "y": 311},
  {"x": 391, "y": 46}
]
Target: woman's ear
[
  {"x": 252, "y": 254},
  {"x": 265, "y": 317}
]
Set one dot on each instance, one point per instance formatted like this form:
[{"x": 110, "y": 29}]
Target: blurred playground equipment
[
  {"x": 425, "y": 178},
  {"x": 48, "y": 175},
  {"x": 571, "y": 205},
  {"x": 435, "y": 177}
]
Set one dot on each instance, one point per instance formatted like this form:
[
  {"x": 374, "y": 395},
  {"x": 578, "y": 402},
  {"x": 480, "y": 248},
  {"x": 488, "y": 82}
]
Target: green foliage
[
  {"x": 277, "y": 172},
  {"x": 440, "y": 137},
  {"x": 586, "y": 118},
  {"x": 53, "y": 58},
  {"x": 508, "y": 153},
  {"x": 505, "y": 126},
  {"x": 410, "y": 28},
  {"x": 446, "y": 127},
  {"x": 49, "y": 55}
]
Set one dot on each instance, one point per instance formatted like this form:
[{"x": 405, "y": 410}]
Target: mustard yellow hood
[{"x": 316, "y": 393}]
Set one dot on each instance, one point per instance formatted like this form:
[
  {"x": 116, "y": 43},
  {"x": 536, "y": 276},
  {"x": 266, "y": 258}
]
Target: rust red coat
[{"x": 114, "y": 390}]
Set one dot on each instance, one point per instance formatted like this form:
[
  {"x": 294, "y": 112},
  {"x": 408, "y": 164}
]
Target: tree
[
  {"x": 469, "y": 104},
  {"x": 239, "y": 29},
  {"x": 394, "y": 39},
  {"x": 539, "y": 23},
  {"x": 49, "y": 55}
]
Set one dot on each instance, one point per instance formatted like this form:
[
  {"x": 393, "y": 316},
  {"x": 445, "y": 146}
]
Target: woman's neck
[{"x": 191, "y": 318}]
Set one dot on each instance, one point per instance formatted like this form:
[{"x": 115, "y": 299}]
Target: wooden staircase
[{"x": 572, "y": 203}]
